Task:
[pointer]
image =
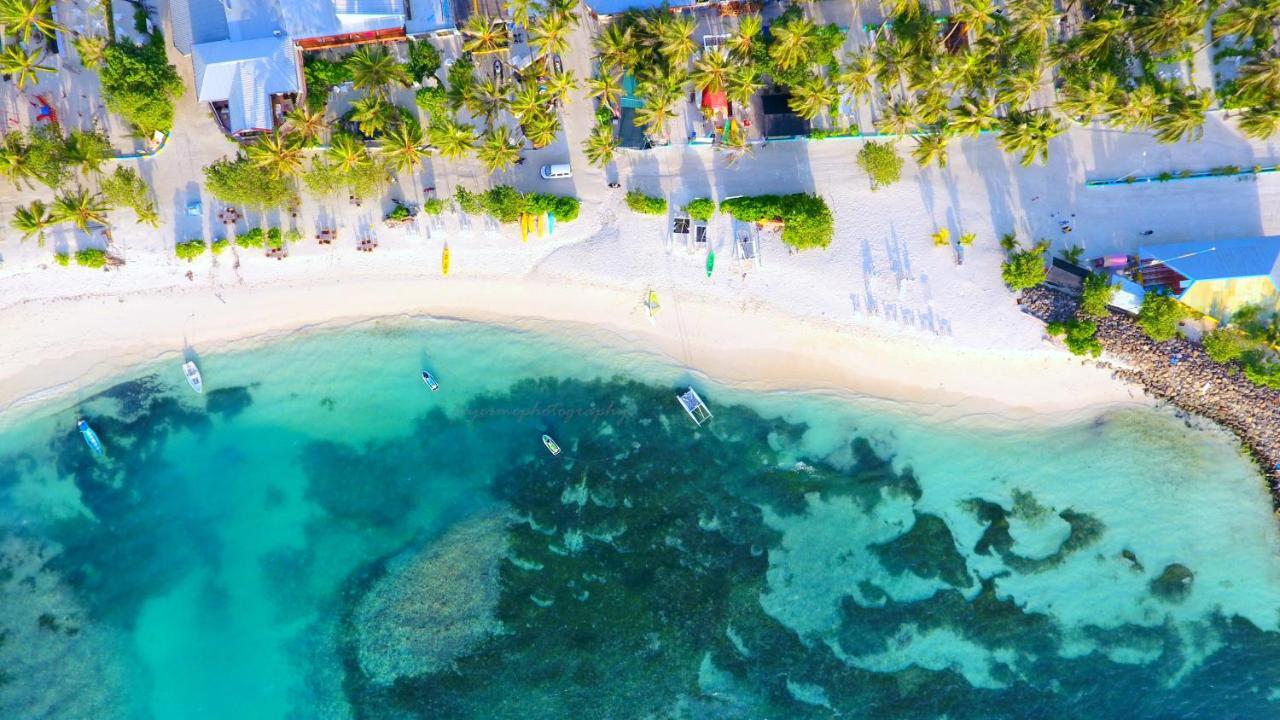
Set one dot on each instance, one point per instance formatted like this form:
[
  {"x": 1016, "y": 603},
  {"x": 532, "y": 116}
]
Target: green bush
[
  {"x": 646, "y": 204},
  {"x": 433, "y": 206},
  {"x": 806, "y": 219},
  {"x": 1262, "y": 371},
  {"x": 565, "y": 208},
  {"x": 62, "y": 259},
  {"x": 1024, "y": 268},
  {"x": 1097, "y": 294},
  {"x": 700, "y": 209},
  {"x": 1159, "y": 316},
  {"x": 240, "y": 182},
  {"x": 275, "y": 239},
  {"x": 140, "y": 20},
  {"x": 432, "y": 100},
  {"x": 218, "y": 246},
  {"x": 1080, "y": 336},
  {"x": 254, "y": 238},
  {"x": 424, "y": 60},
  {"x": 124, "y": 188},
  {"x": 881, "y": 162},
  {"x": 292, "y": 235},
  {"x": 322, "y": 74},
  {"x": 140, "y": 85},
  {"x": 399, "y": 212},
  {"x": 190, "y": 250},
  {"x": 468, "y": 202},
  {"x": 1226, "y": 344},
  {"x": 504, "y": 203},
  {"x": 92, "y": 258}
]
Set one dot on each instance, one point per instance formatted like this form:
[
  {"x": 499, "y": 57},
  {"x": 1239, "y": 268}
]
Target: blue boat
[
  {"x": 551, "y": 224},
  {"x": 90, "y": 437}
]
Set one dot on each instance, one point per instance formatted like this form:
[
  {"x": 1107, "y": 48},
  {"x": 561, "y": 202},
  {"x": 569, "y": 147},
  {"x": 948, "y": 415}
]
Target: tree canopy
[{"x": 140, "y": 85}]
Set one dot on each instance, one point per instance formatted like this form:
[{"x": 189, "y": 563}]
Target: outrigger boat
[
  {"x": 193, "y": 376},
  {"x": 90, "y": 437},
  {"x": 552, "y": 447},
  {"x": 693, "y": 405},
  {"x": 430, "y": 381}
]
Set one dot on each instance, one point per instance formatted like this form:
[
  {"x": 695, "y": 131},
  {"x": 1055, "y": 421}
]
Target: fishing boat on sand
[
  {"x": 552, "y": 447},
  {"x": 430, "y": 381},
  {"x": 193, "y": 376},
  {"x": 90, "y": 437}
]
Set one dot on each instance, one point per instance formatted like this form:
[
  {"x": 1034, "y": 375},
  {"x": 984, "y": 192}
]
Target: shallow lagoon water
[{"x": 321, "y": 537}]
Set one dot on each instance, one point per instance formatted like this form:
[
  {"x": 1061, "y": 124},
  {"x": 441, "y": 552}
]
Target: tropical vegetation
[
  {"x": 646, "y": 204},
  {"x": 140, "y": 85},
  {"x": 1023, "y": 267},
  {"x": 806, "y": 219}
]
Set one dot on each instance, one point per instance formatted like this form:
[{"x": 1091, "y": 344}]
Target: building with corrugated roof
[{"x": 1216, "y": 277}]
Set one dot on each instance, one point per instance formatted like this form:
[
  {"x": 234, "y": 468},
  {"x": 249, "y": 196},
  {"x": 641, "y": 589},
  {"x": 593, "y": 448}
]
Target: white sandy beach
[{"x": 881, "y": 313}]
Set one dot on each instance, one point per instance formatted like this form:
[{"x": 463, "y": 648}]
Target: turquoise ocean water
[{"x": 321, "y": 537}]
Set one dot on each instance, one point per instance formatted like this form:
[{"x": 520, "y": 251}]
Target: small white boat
[
  {"x": 551, "y": 445},
  {"x": 430, "y": 381},
  {"x": 694, "y": 406},
  {"x": 193, "y": 376}
]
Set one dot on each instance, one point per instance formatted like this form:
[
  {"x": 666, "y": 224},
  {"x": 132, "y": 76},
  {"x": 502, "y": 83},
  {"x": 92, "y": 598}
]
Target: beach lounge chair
[{"x": 680, "y": 226}]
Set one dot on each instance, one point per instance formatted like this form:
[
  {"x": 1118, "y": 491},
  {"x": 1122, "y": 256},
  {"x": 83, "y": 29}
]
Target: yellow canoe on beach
[
  {"x": 537, "y": 225},
  {"x": 444, "y": 260},
  {"x": 542, "y": 224},
  {"x": 524, "y": 228}
]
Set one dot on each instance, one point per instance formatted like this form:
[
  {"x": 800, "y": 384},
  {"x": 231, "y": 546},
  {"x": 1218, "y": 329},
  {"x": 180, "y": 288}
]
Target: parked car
[{"x": 556, "y": 172}]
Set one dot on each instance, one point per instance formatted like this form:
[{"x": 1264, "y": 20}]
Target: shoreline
[{"x": 750, "y": 348}]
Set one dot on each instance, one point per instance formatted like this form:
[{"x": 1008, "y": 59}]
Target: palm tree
[
  {"x": 974, "y": 15},
  {"x": 793, "y": 43},
  {"x": 89, "y": 150},
  {"x": 1183, "y": 118},
  {"x": 309, "y": 125},
  {"x": 909, "y": 9},
  {"x": 617, "y": 47},
  {"x": 567, "y": 8},
  {"x": 542, "y": 128},
  {"x": 560, "y": 84},
  {"x": 91, "y": 49},
  {"x": 734, "y": 143},
  {"x": 1029, "y": 133},
  {"x": 1262, "y": 74},
  {"x": 903, "y": 118},
  {"x": 1137, "y": 109},
  {"x": 607, "y": 88},
  {"x": 452, "y": 138},
  {"x": 812, "y": 98},
  {"x": 1247, "y": 19},
  {"x": 655, "y": 113},
  {"x": 744, "y": 83},
  {"x": 498, "y": 150},
  {"x": 600, "y": 146},
  {"x": 486, "y": 100},
  {"x": 15, "y": 162},
  {"x": 519, "y": 11},
  {"x": 1170, "y": 27},
  {"x": 80, "y": 208},
  {"x": 32, "y": 220},
  {"x": 931, "y": 147},
  {"x": 744, "y": 41},
  {"x": 1261, "y": 121},
  {"x": 1035, "y": 20},
  {"x": 24, "y": 66},
  {"x": 373, "y": 69},
  {"x": 372, "y": 114},
  {"x": 856, "y": 74},
  {"x": 348, "y": 153},
  {"x": 711, "y": 70},
  {"x": 1083, "y": 104},
  {"x": 484, "y": 34},
  {"x": 24, "y": 17},
  {"x": 973, "y": 116},
  {"x": 1017, "y": 89},
  {"x": 550, "y": 35},
  {"x": 528, "y": 100},
  {"x": 404, "y": 146},
  {"x": 280, "y": 153},
  {"x": 675, "y": 38},
  {"x": 1100, "y": 34}
]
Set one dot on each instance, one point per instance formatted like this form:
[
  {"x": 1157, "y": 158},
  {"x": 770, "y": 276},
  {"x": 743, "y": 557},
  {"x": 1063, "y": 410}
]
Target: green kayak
[{"x": 711, "y": 261}]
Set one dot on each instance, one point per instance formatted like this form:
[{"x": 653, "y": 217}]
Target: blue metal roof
[
  {"x": 617, "y": 7},
  {"x": 197, "y": 21},
  {"x": 1219, "y": 259}
]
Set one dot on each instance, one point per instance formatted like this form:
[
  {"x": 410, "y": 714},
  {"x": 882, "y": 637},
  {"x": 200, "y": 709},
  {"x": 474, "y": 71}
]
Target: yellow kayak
[
  {"x": 524, "y": 228},
  {"x": 542, "y": 224},
  {"x": 444, "y": 260}
]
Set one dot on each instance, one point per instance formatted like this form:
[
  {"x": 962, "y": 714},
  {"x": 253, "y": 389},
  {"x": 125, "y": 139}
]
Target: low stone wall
[{"x": 1194, "y": 383}]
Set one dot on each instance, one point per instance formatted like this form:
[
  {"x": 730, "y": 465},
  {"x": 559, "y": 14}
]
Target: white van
[{"x": 556, "y": 172}]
